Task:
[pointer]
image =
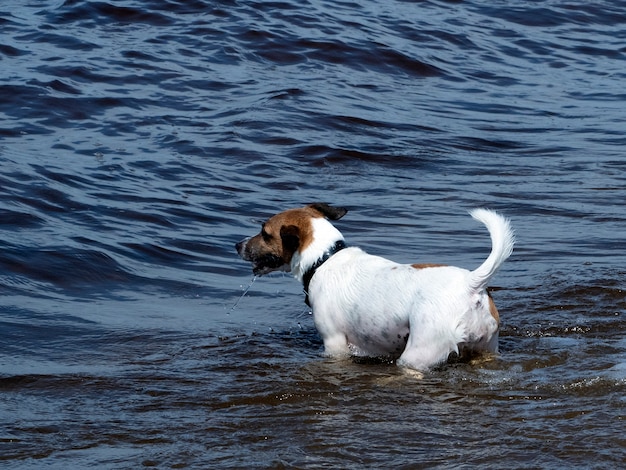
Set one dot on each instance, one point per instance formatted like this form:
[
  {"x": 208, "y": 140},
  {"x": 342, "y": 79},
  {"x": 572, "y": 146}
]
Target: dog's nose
[{"x": 241, "y": 246}]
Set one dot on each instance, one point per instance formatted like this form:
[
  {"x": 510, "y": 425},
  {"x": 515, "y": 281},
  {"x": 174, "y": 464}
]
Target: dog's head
[{"x": 284, "y": 235}]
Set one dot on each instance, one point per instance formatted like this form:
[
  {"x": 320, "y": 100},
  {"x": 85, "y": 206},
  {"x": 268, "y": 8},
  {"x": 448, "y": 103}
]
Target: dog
[{"x": 419, "y": 315}]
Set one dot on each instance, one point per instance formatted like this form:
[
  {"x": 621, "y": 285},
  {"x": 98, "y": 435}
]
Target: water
[{"x": 140, "y": 140}]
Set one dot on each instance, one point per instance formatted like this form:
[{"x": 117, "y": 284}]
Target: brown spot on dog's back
[{"x": 427, "y": 265}]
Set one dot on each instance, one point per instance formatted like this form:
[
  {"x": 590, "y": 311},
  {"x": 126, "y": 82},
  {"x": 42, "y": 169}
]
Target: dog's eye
[{"x": 266, "y": 236}]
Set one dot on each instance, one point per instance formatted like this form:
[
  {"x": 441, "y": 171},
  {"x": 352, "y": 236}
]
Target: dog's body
[{"x": 365, "y": 305}]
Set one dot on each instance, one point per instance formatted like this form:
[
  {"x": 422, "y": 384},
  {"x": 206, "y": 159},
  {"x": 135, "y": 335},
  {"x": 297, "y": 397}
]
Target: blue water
[{"x": 140, "y": 140}]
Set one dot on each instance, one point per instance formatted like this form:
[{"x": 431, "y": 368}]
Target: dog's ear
[
  {"x": 332, "y": 213},
  {"x": 290, "y": 235}
]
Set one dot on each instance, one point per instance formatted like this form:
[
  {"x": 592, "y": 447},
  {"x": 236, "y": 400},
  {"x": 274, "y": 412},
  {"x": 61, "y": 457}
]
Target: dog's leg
[
  {"x": 325, "y": 317},
  {"x": 423, "y": 351},
  {"x": 422, "y": 359},
  {"x": 336, "y": 345},
  {"x": 492, "y": 344}
]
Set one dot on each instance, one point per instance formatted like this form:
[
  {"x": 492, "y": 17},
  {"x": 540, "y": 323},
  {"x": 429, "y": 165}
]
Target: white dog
[{"x": 365, "y": 305}]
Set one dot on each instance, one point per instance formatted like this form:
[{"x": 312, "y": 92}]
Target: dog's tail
[{"x": 502, "y": 241}]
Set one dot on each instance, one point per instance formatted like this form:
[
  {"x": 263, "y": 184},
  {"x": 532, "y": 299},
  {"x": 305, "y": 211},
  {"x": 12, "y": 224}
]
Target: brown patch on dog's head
[{"x": 282, "y": 236}]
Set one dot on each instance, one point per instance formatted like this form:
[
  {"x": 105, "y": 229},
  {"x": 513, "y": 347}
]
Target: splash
[{"x": 242, "y": 295}]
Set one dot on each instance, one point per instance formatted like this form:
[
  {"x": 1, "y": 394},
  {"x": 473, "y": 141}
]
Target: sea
[{"x": 141, "y": 139}]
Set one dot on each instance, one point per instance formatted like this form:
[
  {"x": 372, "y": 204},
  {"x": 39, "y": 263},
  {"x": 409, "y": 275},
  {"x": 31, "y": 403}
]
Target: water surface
[{"x": 140, "y": 140}]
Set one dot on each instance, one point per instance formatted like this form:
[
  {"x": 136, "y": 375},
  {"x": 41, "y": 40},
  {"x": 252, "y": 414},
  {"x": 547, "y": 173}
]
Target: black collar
[{"x": 306, "y": 279}]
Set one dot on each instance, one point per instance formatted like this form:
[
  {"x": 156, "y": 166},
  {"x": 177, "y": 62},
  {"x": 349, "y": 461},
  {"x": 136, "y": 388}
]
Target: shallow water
[{"x": 140, "y": 140}]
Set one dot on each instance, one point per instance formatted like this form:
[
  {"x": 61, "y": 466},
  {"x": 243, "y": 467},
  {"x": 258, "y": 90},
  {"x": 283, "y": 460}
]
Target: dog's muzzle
[{"x": 261, "y": 263}]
